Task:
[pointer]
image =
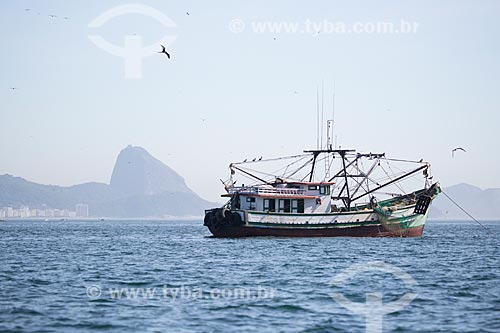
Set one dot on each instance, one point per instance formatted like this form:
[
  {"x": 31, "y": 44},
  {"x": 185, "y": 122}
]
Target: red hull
[{"x": 366, "y": 231}]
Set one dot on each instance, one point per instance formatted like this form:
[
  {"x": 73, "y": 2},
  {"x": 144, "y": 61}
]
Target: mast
[
  {"x": 329, "y": 146},
  {"x": 315, "y": 156},
  {"x": 348, "y": 199}
]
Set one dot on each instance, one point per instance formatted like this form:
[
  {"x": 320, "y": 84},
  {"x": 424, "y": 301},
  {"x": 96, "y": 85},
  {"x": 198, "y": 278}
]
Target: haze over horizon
[{"x": 225, "y": 96}]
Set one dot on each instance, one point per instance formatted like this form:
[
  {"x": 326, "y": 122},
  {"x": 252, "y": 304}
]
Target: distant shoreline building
[{"x": 82, "y": 210}]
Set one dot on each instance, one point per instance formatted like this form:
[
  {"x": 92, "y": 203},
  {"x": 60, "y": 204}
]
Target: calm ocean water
[{"x": 159, "y": 276}]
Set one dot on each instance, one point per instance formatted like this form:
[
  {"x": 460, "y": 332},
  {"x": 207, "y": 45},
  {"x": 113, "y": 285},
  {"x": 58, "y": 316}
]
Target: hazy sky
[{"x": 227, "y": 96}]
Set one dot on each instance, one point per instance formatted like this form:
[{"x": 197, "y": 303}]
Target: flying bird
[
  {"x": 53, "y": 16},
  {"x": 187, "y": 13},
  {"x": 455, "y": 149},
  {"x": 27, "y": 10},
  {"x": 164, "y": 51},
  {"x": 13, "y": 88}
]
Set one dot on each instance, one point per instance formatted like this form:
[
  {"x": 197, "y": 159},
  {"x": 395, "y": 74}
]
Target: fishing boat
[{"x": 354, "y": 195}]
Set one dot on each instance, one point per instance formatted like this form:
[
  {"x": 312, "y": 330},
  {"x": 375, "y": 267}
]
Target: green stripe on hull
[{"x": 404, "y": 222}]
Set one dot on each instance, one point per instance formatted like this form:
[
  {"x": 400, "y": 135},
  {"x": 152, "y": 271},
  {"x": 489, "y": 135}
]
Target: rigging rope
[
  {"x": 389, "y": 177},
  {"x": 271, "y": 159},
  {"x": 397, "y": 183},
  {"x": 273, "y": 174},
  {"x": 289, "y": 165},
  {"x": 466, "y": 212}
]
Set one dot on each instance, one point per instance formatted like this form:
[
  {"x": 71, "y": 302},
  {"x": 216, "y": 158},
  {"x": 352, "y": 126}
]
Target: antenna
[
  {"x": 322, "y": 110},
  {"x": 329, "y": 135},
  {"x": 333, "y": 115},
  {"x": 317, "y": 117}
]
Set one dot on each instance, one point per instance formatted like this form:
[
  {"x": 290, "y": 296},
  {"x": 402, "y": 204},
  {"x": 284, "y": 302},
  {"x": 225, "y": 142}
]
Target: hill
[
  {"x": 482, "y": 204},
  {"x": 140, "y": 186}
]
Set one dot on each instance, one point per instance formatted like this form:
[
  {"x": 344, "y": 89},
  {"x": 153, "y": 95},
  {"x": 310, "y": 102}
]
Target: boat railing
[{"x": 267, "y": 190}]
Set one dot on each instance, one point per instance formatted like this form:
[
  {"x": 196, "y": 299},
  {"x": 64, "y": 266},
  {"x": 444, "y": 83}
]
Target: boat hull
[
  {"x": 368, "y": 223},
  {"x": 358, "y": 231}
]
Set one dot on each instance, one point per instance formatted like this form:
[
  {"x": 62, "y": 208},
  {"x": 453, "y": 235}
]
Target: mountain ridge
[
  {"x": 482, "y": 204},
  {"x": 140, "y": 186}
]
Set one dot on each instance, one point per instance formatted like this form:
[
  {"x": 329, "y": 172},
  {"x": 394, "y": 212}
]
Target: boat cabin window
[
  {"x": 291, "y": 205},
  {"x": 251, "y": 203},
  {"x": 312, "y": 187},
  {"x": 269, "y": 205},
  {"x": 298, "y": 206},
  {"x": 324, "y": 190},
  {"x": 284, "y": 205}
]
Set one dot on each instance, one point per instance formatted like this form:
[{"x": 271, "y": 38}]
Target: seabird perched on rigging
[
  {"x": 164, "y": 51},
  {"x": 245, "y": 160},
  {"x": 455, "y": 149},
  {"x": 255, "y": 159},
  {"x": 260, "y": 159}
]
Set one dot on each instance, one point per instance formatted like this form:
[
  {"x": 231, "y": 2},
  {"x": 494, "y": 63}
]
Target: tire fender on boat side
[
  {"x": 236, "y": 219},
  {"x": 222, "y": 214}
]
